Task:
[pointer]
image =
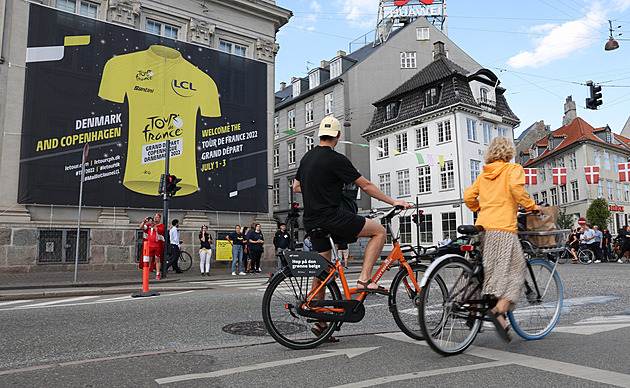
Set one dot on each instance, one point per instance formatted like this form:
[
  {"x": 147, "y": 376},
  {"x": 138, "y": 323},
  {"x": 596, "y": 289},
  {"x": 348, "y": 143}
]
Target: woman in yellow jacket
[{"x": 496, "y": 194}]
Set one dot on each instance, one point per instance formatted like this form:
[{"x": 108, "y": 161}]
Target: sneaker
[
  {"x": 242, "y": 273},
  {"x": 233, "y": 273},
  {"x": 203, "y": 274},
  {"x": 590, "y": 261},
  {"x": 158, "y": 276},
  {"x": 619, "y": 261},
  {"x": 597, "y": 261},
  {"x": 259, "y": 270}
]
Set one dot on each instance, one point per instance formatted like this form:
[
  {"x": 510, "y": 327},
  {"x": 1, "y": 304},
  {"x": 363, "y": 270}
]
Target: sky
[{"x": 541, "y": 50}]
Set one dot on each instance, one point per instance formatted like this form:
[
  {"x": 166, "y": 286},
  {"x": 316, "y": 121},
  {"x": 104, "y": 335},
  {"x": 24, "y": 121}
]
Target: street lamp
[{"x": 612, "y": 43}]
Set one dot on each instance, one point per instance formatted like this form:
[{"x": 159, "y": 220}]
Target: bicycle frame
[{"x": 395, "y": 255}]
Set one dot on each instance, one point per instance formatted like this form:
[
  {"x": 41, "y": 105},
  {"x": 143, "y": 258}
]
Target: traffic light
[
  {"x": 416, "y": 218},
  {"x": 171, "y": 185},
  {"x": 162, "y": 182},
  {"x": 295, "y": 210},
  {"x": 595, "y": 99}
]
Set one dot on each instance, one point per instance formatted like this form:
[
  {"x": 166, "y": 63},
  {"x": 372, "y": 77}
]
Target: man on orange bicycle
[{"x": 320, "y": 179}]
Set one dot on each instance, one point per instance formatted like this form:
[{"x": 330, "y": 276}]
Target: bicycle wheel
[
  {"x": 283, "y": 296},
  {"x": 536, "y": 316},
  {"x": 185, "y": 261},
  {"x": 445, "y": 319},
  {"x": 563, "y": 256},
  {"x": 404, "y": 300},
  {"x": 585, "y": 256}
]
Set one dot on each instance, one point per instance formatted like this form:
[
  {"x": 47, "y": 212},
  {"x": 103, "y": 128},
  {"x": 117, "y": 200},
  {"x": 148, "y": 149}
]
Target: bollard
[{"x": 145, "y": 272}]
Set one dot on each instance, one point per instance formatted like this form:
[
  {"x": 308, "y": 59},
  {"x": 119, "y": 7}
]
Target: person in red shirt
[{"x": 154, "y": 232}]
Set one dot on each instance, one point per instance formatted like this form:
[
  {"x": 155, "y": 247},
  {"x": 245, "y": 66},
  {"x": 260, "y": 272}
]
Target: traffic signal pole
[{"x": 165, "y": 209}]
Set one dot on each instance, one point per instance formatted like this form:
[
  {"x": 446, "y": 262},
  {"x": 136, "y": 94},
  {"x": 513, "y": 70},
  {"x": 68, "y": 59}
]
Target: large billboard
[{"x": 125, "y": 92}]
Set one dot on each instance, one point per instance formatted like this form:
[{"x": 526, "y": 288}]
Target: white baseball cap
[{"x": 329, "y": 126}]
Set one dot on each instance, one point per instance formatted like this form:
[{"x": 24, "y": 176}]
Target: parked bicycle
[
  {"x": 185, "y": 260},
  {"x": 289, "y": 309},
  {"x": 451, "y": 320}
]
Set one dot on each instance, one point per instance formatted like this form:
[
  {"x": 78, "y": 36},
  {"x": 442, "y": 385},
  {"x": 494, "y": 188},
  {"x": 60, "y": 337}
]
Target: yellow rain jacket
[{"x": 496, "y": 194}]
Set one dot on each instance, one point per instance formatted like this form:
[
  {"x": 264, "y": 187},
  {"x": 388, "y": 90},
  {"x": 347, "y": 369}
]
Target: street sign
[{"x": 581, "y": 221}]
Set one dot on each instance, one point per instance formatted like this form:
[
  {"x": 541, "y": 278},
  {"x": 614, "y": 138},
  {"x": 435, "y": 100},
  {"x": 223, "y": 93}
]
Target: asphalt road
[{"x": 186, "y": 339}]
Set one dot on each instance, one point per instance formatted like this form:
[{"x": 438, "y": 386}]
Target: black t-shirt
[
  {"x": 236, "y": 238},
  {"x": 205, "y": 244},
  {"x": 255, "y": 236},
  {"x": 321, "y": 174}
]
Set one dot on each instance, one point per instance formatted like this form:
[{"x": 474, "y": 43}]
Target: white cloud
[
  {"x": 360, "y": 13},
  {"x": 542, "y": 27},
  {"x": 621, "y": 5},
  {"x": 315, "y": 6},
  {"x": 561, "y": 40}
]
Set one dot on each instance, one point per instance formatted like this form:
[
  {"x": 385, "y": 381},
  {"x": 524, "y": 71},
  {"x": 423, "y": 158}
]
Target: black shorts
[{"x": 342, "y": 225}]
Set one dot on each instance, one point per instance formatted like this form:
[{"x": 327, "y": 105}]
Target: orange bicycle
[{"x": 290, "y": 310}]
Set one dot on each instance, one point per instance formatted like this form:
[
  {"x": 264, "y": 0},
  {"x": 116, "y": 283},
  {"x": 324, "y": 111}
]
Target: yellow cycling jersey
[{"x": 164, "y": 92}]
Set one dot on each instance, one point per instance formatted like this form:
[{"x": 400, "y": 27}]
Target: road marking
[
  {"x": 544, "y": 364},
  {"x": 570, "y": 304},
  {"x": 591, "y": 329},
  {"x": 415, "y": 375},
  {"x": 44, "y": 304},
  {"x": 272, "y": 364},
  {"x": 15, "y": 301}
]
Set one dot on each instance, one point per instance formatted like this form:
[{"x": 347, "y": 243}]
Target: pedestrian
[
  {"x": 496, "y": 194},
  {"x": 320, "y": 178},
  {"x": 281, "y": 242},
  {"x": 625, "y": 238},
  {"x": 606, "y": 242},
  {"x": 343, "y": 249},
  {"x": 256, "y": 241},
  {"x": 307, "y": 245},
  {"x": 574, "y": 243},
  {"x": 588, "y": 238},
  {"x": 236, "y": 239},
  {"x": 154, "y": 230},
  {"x": 246, "y": 259},
  {"x": 205, "y": 250},
  {"x": 175, "y": 244},
  {"x": 447, "y": 240},
  {"x": 599, "y": 236}
]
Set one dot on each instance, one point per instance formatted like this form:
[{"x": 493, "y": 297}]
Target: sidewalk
[{"x": 29, "y": 285}]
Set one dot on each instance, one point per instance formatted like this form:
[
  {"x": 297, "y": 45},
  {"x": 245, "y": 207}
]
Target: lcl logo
[
  {"x": 403, "y": 2},
  {"x": 183, "y": 88}
]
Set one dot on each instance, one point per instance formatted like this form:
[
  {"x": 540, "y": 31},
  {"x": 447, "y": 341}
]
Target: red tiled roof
[
  {"x": 599, "y": 129},
  {"x": 575, "y": 131},
  {"x": 544, "y": 142}
]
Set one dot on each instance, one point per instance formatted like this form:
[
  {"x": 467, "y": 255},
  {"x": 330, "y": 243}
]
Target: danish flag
[
  {"x": 531, "y": 176},
  {"x": 560, "y": 176},
  {"x": 624, "y": 170},
  {"x": 592, "y": 174}
]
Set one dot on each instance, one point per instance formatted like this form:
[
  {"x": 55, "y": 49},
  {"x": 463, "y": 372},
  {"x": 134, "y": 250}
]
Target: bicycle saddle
[
  {"x": 319, "y": 232},
  {"x": 469, "y": 229}
]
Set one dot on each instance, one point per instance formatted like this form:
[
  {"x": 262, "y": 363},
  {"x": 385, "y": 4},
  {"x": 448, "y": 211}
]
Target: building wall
[{"x": 253, "y": 25}]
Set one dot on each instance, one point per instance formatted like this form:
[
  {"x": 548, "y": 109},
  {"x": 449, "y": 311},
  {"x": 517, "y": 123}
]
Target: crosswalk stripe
[{"x": 15, "y": 301}]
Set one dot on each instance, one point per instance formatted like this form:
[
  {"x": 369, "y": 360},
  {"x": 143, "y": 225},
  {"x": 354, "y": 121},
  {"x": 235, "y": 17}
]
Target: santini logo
[
  {"x": 403, "y": 2},
  {"x": 183, "y": 88}
]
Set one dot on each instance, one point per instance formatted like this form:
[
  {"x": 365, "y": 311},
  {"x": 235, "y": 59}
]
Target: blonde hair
[{"x": 500, "y": 149}]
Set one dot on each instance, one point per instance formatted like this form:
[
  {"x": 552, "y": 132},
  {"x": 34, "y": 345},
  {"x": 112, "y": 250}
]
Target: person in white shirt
[
  {"x": 174, "y": 243},
  {"x": 447, "y": 240}
]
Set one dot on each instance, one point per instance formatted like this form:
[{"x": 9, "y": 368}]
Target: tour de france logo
[{"x": 144, "y": 75}]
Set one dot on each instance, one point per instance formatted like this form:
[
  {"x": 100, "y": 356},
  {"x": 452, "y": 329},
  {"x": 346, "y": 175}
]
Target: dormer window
[
  {"x": 335, "y": 68},
  {"x": 534, "y": 152},
  {"x": 391, "y": 110},
  {"x": 313, "y": 79},
  {"x": 609, "y": 137},
  {"x": 483, "y": 95},
  {"x": 296, "y": 88},
  {"x": 431, "y": 96}
]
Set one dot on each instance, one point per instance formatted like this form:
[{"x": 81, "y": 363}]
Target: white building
[{"x": 448, "y": 115}]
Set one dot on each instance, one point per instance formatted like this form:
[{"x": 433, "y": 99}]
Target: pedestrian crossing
[{"x": 28, "y": 304}]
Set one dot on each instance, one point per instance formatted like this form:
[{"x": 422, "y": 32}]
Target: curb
[{"x": 59, "y": 294}]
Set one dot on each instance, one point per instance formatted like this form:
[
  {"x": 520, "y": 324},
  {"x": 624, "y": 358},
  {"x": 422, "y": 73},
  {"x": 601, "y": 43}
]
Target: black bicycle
[
  {"x": 185, "y": 260},
  {"x": 450, "y": 321}
]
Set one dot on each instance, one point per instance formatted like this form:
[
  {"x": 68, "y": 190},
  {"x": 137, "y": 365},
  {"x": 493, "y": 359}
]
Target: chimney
[
  {"x": 283, "y": 85},
  {"x": 438, "y": 50},
  {"x": 324, "y": 64},
  {"x": 570, "y": 113},
  {"x": 341, "y": 53},
  {"x": 293, "y": 79}
]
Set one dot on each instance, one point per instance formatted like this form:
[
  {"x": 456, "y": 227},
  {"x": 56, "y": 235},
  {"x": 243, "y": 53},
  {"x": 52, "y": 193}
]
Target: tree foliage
[
  {"x": 598, "y": 213},
  {"x": 565, "y": 221}
]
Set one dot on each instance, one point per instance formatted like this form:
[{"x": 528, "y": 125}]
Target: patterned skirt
[{"x": 503, "y": 265}]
